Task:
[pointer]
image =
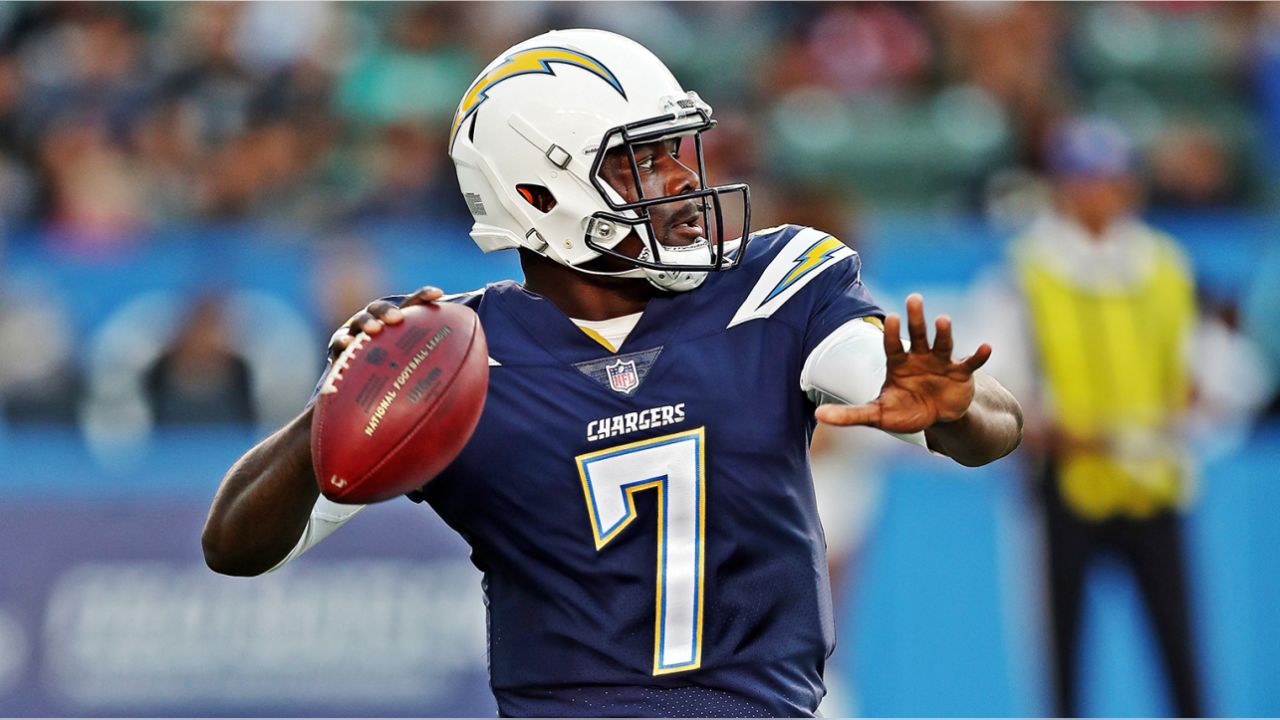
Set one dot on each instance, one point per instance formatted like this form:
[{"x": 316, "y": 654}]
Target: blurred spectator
[
  {"x": 1190, "y": 170},
  {"x": 419, "y": 76},
  {"x": 1258, "y": 316},
  {"x": 412, "y": 177},
  {"x": 171, "y": 161},
  {"x": 1111, "y": 310},
  {"x": 86, "y": 78},
  {"x": 200, "y": 379},
  {"x": 269, "y": 110},
  {"x": 94, "y": 198},
  {"x": 273, "y": 36},
  {"x": 733, "y": 151},
  {"x": 732, "y": 154},
  {"x": 827, "y": 207},
  {"x": 40, "y": 383},
  {"x": 258, "y": 174},
  {"x": 208, "y": 81},
  {"x": 1012, "y": 51},
  {"x": 345, "y": 277},
  {"x": 853, "y": 48},
  {"x": 163, "y": 357},
  {"x": 91, "y": 67},
  {"x": 18, "y": 188},
  {"x": 10, "y": 94},
  {"x": 1266, "y": 78},
  {"x": 1233, "y": 379}
]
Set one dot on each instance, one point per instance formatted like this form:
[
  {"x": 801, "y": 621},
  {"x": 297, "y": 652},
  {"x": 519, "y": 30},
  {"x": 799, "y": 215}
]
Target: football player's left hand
[{"x": 922, "y": 386}]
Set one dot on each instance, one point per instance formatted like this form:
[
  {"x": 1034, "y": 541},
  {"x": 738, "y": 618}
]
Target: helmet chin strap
[
  {"x": 668, "y": 280},
  {"x": 682, "y": 280}
]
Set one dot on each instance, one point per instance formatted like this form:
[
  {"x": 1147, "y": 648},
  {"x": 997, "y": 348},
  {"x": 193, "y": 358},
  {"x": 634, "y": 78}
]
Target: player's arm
[
  {"x": 963, "y": 413},
  {"x": 990, "y": 429},
  {"x": 263, "y": 504},
  {"x": 266, "y": 511}
]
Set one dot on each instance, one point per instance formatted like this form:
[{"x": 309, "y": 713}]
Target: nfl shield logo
[{"x": 623, "y": 376}]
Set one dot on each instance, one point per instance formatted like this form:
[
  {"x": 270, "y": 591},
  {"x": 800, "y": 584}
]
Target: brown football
[{"x": 397, "y": 407}]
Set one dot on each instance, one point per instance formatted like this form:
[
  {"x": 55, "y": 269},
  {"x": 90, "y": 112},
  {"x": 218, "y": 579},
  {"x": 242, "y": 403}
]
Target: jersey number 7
[{"x": 674, "y": 465}]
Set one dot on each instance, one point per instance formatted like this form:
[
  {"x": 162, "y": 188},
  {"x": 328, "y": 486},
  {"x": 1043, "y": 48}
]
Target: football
[{"x": 397, "y": 407}]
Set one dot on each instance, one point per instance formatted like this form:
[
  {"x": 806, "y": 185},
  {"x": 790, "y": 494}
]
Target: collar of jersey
[{"x": 551, "y": 329}]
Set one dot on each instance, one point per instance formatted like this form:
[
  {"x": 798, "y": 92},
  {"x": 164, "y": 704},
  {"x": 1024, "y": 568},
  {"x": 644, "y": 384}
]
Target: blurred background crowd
[
  {"x": 117, "y": 118},
  {"x": 118, "y": 122},
  {"x": 192, "y": 195}
]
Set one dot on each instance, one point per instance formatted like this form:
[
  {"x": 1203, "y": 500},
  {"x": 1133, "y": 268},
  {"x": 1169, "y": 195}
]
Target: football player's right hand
[
  {"x": 375, "y": 315},
  {"x": 921, "y": 387}
]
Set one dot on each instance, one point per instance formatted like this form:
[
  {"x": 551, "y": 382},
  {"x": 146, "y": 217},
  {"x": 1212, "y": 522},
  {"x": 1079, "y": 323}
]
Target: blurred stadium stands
[{"x": 288, "y": 159}]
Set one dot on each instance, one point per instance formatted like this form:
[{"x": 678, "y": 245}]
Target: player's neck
[{"x": 583, "y": 296}]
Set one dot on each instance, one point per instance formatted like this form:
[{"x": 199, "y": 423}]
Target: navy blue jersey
[{"x": 645, "y": 519}]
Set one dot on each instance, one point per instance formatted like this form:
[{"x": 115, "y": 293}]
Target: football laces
[{"x": 343, "y": 362}]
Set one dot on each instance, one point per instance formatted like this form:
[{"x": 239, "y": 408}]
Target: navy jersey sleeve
[
  {"x": 806, "y": 279},
  {"x": 840, "y": 297}
]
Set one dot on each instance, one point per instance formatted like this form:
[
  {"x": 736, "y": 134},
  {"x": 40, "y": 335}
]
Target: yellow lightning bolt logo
[
  {"x": 814, "y": 256},
  {"x": 533, "y": 60}
]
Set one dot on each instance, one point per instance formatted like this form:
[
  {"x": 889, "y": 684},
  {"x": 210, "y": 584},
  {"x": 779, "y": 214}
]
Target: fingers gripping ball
[{"x": 396, "y": 408}]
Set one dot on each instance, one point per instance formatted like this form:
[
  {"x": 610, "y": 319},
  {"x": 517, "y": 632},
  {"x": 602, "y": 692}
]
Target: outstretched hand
[{"x": 922, "y": 386}]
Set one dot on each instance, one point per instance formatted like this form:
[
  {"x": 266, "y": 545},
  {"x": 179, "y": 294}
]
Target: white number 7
[{"x": 675, "y": 465}]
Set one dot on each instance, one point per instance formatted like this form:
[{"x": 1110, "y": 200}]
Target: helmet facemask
[{"x": 675, "y": 268}]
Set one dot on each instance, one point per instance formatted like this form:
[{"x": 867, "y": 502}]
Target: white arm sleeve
[
  {"x": 326, "y": 517},
  {"x": 848, "y": 367}
]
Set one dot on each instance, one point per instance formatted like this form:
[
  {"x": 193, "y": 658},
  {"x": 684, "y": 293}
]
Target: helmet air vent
[{"x": 538, "y": 196}]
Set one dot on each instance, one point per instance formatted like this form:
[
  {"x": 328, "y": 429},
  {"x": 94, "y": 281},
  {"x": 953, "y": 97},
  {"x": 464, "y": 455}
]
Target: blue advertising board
[{"x": 107, "y": 608}]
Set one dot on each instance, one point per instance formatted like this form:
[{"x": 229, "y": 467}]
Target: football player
[{"x": 637, "y": 493}]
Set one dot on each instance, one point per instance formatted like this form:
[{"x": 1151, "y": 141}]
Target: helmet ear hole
[{"x": 538, "y": 196}]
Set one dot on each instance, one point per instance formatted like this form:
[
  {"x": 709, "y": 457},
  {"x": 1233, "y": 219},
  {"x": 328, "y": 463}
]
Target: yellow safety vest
[{"x": 1111, "y": 360}]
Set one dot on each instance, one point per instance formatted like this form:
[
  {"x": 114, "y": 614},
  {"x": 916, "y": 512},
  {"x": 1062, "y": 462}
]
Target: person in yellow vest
[{"x": 1109, "y": 304}]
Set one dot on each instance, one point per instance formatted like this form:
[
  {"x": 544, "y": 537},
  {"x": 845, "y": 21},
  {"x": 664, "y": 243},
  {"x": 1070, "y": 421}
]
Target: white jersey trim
[{"x": 806, "y": 255}]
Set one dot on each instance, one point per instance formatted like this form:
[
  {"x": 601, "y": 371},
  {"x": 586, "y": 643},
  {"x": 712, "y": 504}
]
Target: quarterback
[{"x": 637, "y": 494}]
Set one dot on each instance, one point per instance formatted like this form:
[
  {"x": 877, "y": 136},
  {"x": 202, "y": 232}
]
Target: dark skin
[
  {"x": 965, "y": 414},
  {"x": 262, "y": 506},
  {"x": 595, "y": 297},
  {"x": 1097, "y": 202}
]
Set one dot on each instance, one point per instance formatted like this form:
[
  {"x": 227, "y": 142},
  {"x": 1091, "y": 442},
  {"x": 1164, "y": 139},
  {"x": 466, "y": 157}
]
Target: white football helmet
[{"x": 543, "y": 114}]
